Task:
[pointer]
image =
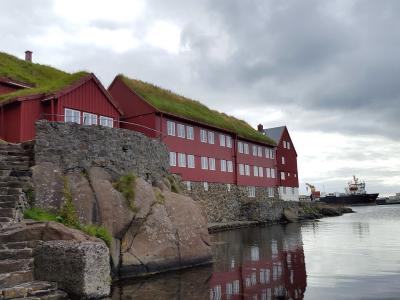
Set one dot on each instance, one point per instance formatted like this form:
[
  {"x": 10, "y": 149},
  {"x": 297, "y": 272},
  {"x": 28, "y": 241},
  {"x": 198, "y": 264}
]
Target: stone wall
[
  {"x": 76, "y": 147},
  {"x": 226, "y": 204}
]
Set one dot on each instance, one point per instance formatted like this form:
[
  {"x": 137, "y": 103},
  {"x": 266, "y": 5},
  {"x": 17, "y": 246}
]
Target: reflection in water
[
  {"x": 259, "y": 263},
  {"x": 253, "y": 263}
]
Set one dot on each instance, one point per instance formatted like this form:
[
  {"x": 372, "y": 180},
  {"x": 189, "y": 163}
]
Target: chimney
[
  {"x": 260, "y": 128},
  {"x": 28, "y": 55}
]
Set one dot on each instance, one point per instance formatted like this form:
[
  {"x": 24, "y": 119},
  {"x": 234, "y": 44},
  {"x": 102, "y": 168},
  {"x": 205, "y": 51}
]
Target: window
[
  {"x": 283, "y": 175},
  {"x": 240, "y": 147},
  {"x": 284, "y": 144},
  {"x": 190, "y": 161},
  {"x": 259, "y": 151},
  {"x": 273, "y": 173},
  {"x": 267, "y": 152},
  {"x": 268, "y": 172},
  {"x": 89, "y": 119},
  {"x": 271, "y": 192},
  {"x": 295, "y": 175},
  {"x": 261, "y": 171},
  {"x": 211, "y": 137},
  {"x": 228, "y": 187},
  {"x": 204, "y": 163},
  {"x": 182, "y": 160},
  {"x": 211, "y": 163},
  {"x": 246, "y": 148},
  {"x": 223, "y": 165},
  {"x": 203, "y": 136},
  {"x": 230, "y": 166},
  {"x": 255, "y": 171},
  {"x": 251, "y": 190},
  {"x": 106, "y": 121},
  {"x": 283, "y": 160},
  {"x": 205, "y": 184},
  {"x": 73, "y": 116},
  {"x": 189, "y": 133},
  {"x": 254, "y": 150},
  {"x": 272, "y": 154},
  {"x": 228, "y": 141},
  {"x": 288, "y": 174},
  {"x": 171, "y": 128},
  {"x": 188, "y": 185},
  {"x": 222, "y": 140},
  {"x": 247, "y": 170},
  {"x": 172, "y": 159},
  {"x": 288, "y": 145},
  {"x": 241, "y": 169},
  {"x": 181, "y": 130}
]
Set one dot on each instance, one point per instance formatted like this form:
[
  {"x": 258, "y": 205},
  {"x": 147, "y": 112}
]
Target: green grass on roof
[
  {"x": 44, "y": 78},
  {"x": 167, "y": 101}
]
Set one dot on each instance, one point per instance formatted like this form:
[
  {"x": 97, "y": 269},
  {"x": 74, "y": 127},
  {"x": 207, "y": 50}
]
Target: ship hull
[{"x": 361, "y": 199}]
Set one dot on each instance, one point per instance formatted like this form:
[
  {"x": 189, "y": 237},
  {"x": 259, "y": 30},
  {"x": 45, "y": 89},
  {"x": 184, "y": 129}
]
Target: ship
[
  {"x": 389, "y": 200},
  {"x": 355, "y": 194}
]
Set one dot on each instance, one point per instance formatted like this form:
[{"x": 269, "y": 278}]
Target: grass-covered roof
[
  {"x": 169, "y": 102},
  {"x": 45, "y": 79}
]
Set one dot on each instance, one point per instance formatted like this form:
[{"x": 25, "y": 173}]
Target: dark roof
[
  {"x": 275, "y": 133},
  {"x": 165, "y": 101}
]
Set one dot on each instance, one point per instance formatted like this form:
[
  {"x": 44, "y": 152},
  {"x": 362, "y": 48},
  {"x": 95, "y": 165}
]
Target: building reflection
[{"x": 267, "y": 263}]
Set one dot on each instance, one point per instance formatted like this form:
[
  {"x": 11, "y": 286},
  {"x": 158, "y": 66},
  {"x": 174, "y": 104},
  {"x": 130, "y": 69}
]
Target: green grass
[
  {"x": 169, "y": 102},
  {"x": 39, "y": 214},
  {"x": 125, "y": 185},
  {"x": 45, "y": 79}
]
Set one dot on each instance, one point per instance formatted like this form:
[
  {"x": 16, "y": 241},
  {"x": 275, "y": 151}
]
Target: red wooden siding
[
  {"x": 31, "y": 111},
  {"x": 290, "y": 166},
  {"x": 6, "y": 88},
  {"x": 11, "y": 122}
]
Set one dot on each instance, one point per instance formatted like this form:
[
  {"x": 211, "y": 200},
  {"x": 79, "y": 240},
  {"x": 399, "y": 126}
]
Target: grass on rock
[{"x": 125, "y": 185}]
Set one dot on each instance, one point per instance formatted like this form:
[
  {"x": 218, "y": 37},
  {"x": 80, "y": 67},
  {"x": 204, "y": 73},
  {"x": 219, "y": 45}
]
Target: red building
[
  {"x": 286, "y": 158},
  {"x": 205, "y": 146},
  {"x": 29, "y": 92}
]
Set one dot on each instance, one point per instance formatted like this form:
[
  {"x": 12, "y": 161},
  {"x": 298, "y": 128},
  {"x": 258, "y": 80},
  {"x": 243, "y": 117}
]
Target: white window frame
[
  {"x": 268, "y": 172},
  {"x": 211, "y": 164},
  {"x": 189, "y": 132},
  {"x": 172, "y": 159},
  {"x": 246, "y": 148},
  {"x": 229, "y": 164},
  {"x": 182, "y": 160},
  {"x": 228, "y": 141},
  {"x": 89, "y": 119},
  {"x": 282, "y": 175},
  {"x": 188, "y": 185},
  {"x": 288, "y": 145},
  {"x": 254, "y": 149},
  {"x": 260, "y": 171},
  {"x": 222, "y": 140},
  {"x": 295, "y": 175},
  {"x": 205, "y": 185},
  {"x": 270, "y": 192},
  {"x": 241, "y": 169},
  {"x": 283, "y": 160},
  {"x": 267, "y": 152},
  {"x": 272, "y": 153},
  {"x": 171, "y": 128},
  {"x": 251, "y": 190},
  {"x": 72, "y": 116},
  {"x": 203, "y": 135},
  {"x": 240, "y": 147},
  {"x": 255, "y": 171},
  {"x": 211, "y": 137},
  {"x": 106, "y": 121},
  {"x": 259, "y": 151},
  {"x": 204, "y": 163},
  {"x": 223, "y": 165},
  {"x": 191, "y": 161},
  {"x": 247, "y": 170},
  {"x": 273, "y": 173},
  {"x": 284, "y": 144},
  {"x": 181, "y": 130}
]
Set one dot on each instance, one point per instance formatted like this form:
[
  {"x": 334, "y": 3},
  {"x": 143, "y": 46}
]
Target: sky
[{"x": 328, "y": 70}]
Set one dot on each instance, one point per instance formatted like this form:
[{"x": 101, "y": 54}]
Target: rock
[
  {"x": 48, "y": 182},
  {"x": 144, "y": 198},
  {"x": 291, "y": 215},
  {"x": 85, "y": 267},
  {"x": 114, "y": 212}
]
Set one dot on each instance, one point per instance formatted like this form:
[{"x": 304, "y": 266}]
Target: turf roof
[
  {"x": 169, "y": 102},
  {"x": 45, "y": 79}
]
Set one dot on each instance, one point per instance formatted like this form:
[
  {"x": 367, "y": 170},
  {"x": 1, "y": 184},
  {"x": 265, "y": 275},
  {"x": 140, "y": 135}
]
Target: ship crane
[{"x": 314, "y": 194}]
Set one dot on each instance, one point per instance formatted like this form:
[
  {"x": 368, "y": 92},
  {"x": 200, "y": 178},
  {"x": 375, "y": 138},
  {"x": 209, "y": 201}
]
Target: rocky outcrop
[{"x": 316, "y": 210}]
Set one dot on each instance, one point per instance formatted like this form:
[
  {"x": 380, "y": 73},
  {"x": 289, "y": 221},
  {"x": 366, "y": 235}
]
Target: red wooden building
[
  {"x": 286, "y": 161},
  {"x": 202, "y": 149},
  {"x": 50, "y": 94}
]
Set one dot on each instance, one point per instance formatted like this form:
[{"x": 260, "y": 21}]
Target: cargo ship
[
  {"x": 389, "y": 200},
  {"x": 355, "y": 194}
]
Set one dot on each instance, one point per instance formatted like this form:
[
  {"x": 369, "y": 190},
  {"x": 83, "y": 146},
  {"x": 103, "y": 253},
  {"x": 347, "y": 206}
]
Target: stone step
[
  {"x": 8, "y": 178},
  {"x": 20, "y": 245},
  {"x": 14, "y": 158},
  {"x": 8, "y": 198},
  {"x": 9, "y": 204},
  {"x": 21, "y": 173},
  {"x": 10, "y": 191},
  {"x": 8, "y": 212},
  {"x": 13, "y": 184},
  {"x": 5, "y": 220},
  {"x": 4, "y": 173},
  {"x": 14, "y": 278},
  {"x": 16, "y": 253},
  {"x": 14, "y": 265}
]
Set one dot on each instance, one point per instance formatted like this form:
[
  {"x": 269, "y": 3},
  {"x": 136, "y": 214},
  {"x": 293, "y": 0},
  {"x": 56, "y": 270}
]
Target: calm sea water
[{"x": 355, "y": 256}]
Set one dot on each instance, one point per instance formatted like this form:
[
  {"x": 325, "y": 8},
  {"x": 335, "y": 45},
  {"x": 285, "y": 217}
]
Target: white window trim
[
  {"x": 240, "y": 147},
  {"x": 182, "y": 160},
  {"x": 203, "y": 136},
  {"x": 222, "y": 141},
  {"x": 191, "y": 161},
  {"x": 223, "y": 165},
  {"x": 241, "y": 169},
  {"x": 259, "y": 151},
  {"x": 260, "y": 171},
  {"x": 204, "y": 163},
  {"x": 254, "y": 149},
  {"x": 211, "y": 136},
  {"x": 172, "y": 159},
  {"x": 228, "y": 141},
  {"x": 171, "y": 128},
  {"x": 89, "y": 118},
  {"x": 211, "y": 164},
  {"x": 181, "y": 130},
  {"x": 246, "y": 148},
  {"x": 229, "y": 164},
  {"x": 247, "y": 170},
  {"x": 189, "y": 132},
  {"x": 72, "y": 118},
  {"x": 106, "y": 121},
  {"x": 255, "y": 171}
]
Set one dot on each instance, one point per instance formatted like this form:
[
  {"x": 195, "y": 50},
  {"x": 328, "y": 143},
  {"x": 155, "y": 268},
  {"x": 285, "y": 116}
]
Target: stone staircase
[{"x": 16, "y": 257}]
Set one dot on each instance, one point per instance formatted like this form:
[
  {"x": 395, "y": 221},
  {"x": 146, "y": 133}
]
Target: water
[{"x": 355, "y": 256}]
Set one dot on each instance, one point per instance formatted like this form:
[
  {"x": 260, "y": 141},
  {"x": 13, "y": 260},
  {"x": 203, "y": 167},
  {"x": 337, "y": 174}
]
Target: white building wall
[{"x": 288, "y": 193}]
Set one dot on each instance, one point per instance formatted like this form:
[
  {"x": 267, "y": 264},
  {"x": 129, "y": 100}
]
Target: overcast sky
[{"x": 329, "y": 70}]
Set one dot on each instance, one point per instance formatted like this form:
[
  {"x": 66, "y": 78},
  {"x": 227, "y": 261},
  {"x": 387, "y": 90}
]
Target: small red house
[
  {"x": 29, "y": 92},
  {"x": 286, "y": 161}
]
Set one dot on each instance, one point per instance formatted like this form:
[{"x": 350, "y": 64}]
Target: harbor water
[{"x": 355, "y": 256}]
